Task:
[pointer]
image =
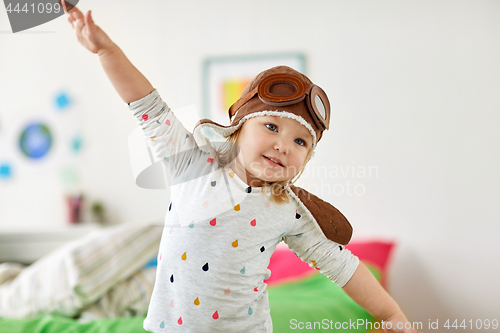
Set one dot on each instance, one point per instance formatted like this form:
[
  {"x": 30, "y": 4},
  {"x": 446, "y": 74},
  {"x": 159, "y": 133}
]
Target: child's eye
[
  {"x": 300, "y": 142},
  {"x": 272, "y": 127}
]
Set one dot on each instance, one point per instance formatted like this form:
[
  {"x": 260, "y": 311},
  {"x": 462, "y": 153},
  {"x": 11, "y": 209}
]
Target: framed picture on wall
[{"x": 225, "y": 78}]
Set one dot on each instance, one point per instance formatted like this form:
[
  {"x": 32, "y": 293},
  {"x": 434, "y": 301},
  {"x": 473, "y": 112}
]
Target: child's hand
[
  {"x": 88, "y": 34},
  {"x": 399, "y": 324},
  {"x": 130, "y": 84}
]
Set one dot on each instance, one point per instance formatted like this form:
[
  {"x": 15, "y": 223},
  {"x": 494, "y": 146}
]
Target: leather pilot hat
[{"x": 279, "y": 91}]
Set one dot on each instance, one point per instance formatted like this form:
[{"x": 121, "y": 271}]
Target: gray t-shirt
[{"x": 219, "y": 236}]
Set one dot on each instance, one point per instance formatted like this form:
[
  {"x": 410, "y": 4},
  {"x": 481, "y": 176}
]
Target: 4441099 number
[{"x": 477, "y": 324}]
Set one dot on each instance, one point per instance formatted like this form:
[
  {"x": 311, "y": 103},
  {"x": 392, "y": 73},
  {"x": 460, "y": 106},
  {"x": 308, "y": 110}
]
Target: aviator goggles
[{"x": 287, "y": 89}]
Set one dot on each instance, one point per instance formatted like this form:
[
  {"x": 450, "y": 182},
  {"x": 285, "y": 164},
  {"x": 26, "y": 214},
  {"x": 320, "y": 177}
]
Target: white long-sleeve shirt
[{"x": 219, "y": 236}]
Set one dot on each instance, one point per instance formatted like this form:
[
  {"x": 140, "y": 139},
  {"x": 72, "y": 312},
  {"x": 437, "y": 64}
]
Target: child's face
[{"x": 272, "y": 137}]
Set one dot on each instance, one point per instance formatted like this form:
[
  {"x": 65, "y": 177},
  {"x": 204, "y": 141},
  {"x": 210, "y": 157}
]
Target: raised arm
[
  {"x": 130, "y": 84},
  {"x": 365, "y": 290}
]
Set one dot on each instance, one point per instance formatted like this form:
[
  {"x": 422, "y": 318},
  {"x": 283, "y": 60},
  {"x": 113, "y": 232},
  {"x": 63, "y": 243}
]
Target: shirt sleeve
[
  {"x": 330, "y": 258},
  {"x": 168, "y": 138}
]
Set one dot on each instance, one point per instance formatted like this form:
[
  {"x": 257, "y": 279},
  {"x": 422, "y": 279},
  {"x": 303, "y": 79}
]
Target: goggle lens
[
  {"x": 281, "y": 89},
  {"x": 318, "y": 103}
]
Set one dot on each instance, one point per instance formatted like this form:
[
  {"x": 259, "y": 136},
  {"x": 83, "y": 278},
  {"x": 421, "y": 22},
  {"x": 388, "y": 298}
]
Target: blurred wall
[{"x": 411, "y": 155}]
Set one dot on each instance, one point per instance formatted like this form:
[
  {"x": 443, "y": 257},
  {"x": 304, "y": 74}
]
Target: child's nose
[{"x": 282, "y": 145}]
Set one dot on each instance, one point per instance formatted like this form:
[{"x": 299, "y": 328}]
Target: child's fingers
[
  {"x": 78, "y": 25},
  {"x": 71, "y": 18},
  {"x": 74, "y": 14},
  {"x": 89, "y": 22},
  {"x": 68, "y": 7},
  {"x": 63, "y": 4},
  {"x": 77, "y": 15}
]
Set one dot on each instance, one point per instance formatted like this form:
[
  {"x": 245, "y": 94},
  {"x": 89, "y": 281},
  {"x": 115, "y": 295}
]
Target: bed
[{"x": 103, "y": 281}]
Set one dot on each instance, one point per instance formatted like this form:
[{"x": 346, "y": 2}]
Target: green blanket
[
  {"x": 297, "y": 306},
  {"x": 294, "y": 306}
]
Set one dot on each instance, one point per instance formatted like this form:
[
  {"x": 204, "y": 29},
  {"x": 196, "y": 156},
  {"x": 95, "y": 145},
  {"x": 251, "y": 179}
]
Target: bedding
[
  {"x": 102, "y": 283},
  {"x": 75, "y": 276}
]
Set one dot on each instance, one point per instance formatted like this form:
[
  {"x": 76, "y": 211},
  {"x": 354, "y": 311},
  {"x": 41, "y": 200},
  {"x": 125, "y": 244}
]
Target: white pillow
[{"x": 79, "y": 273}]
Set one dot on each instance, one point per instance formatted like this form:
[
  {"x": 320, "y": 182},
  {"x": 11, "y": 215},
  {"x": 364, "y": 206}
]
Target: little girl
[{"x": 231, "y": 206}]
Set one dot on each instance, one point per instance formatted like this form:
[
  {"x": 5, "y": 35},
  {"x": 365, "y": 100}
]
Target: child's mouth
[{"x": 270, "y": 161}]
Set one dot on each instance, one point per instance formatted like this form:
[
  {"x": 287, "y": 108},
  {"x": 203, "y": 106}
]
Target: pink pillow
[{"x": 286, "y": 267}]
